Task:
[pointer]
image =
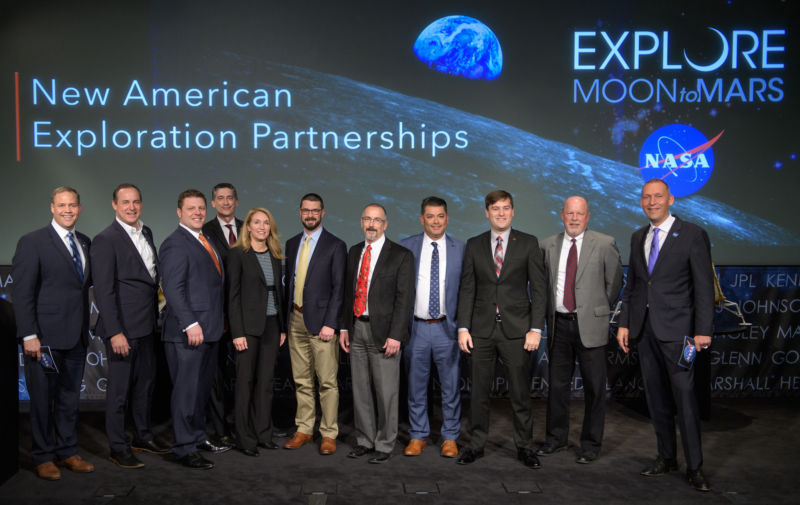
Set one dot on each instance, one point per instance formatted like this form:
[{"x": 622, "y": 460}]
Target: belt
[
  {"x": 430, "y": 321},
  {"x": 363, "y": 318},
  {"x": 497, "y": 318},
  {"x": 569, "y": 316},
  {"x": 298, "y": 308}
]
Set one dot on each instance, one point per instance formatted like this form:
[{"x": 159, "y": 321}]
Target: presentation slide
[{"x": 390, "y": 102}]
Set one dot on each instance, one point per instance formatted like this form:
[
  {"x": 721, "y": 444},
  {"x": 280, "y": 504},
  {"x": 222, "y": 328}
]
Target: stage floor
[{"x": 749, "y": 446}]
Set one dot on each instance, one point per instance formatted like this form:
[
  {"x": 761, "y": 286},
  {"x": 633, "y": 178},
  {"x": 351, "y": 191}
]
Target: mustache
[{"x": 372, "y": 229}]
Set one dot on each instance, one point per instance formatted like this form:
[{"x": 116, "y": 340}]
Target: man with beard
[{"x": 315, "y": 267}]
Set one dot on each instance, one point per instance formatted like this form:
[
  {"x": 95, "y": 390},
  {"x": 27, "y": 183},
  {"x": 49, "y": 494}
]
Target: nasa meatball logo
[{"x": 681, "y": 156}]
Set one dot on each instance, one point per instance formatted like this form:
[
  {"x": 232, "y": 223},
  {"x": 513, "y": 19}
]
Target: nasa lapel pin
[{"x": 675, "y": 234}]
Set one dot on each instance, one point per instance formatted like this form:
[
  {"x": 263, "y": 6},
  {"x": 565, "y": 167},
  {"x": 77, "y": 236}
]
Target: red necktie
[
  {"x": 498, "y": 256},
  {"x": 231, "y": 236},
  {"x": 569, "y": 279},
  {"x": 210, "y": 252},
  {"x": 360, "y": 305}
]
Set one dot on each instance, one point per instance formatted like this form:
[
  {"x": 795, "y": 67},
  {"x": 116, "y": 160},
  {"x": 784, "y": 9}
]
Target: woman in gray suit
[{"x": 257, "y": 326}]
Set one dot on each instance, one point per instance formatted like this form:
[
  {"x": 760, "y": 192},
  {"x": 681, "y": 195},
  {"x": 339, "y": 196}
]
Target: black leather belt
[
  {"x": 430, "y": 321},
  {"x": 497, "y": 318},
  {"x": 569, "y": 316},
  {"x": 363, "y": 318},
  {"x": 298, "y": 308}
]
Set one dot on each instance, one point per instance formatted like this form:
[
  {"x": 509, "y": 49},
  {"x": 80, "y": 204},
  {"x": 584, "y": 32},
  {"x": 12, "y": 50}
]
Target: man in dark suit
[
  {"x": 193, "y": 283},
  {"x": 51, "y": 272},
  {"x": 501, "y": 306},
  {"x": 314, "y": 289},
  {"x": 125, "y": 274},
  {"x": 584, "y": 278},
  {"x": 378, "y": 302},
  {"x": 668, "y": 306},
  {"x": 223, "y": 231},
  {"x": 437, "y": 262}
]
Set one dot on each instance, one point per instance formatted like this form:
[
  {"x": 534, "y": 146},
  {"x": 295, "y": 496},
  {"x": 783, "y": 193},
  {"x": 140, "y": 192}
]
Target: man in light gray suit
[{"x": 584, "y": 278}]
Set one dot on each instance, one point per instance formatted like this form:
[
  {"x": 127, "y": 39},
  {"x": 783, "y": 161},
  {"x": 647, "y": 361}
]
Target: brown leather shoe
[
  {"x": 449, "y": 449},
  {"x": 414, "y": 447},
  {"x": 77, "y": 464},
  {"x": 48, "y": 471},
  {"x": 328, "y": 446},
  {"x": 298, "y": 441}
]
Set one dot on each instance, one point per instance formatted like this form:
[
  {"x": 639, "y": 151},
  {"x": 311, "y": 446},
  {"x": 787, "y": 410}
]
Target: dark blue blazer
[
  {"x": 678, "y": 296},
  {"x": 452, "y": 277},
  {"x": 324, "y": 288},
  {"x": 126, "y": 295},
  {"x": 193, "y": 288},
  {"x": 48, "y": 296}
]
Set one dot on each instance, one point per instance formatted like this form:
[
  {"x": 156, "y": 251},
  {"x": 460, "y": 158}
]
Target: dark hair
[
  {"x": 190, "y": 193},
  {"x": 312, "y": 197},
  {"x": 64, "y": 189},
  {"x": 376, "y": 205},
  {"x": 497, "y": 195},
  {"x": 224, "y": 185},
  {"x": 125, "y": 185},
  {"x": 432, "y": 201}
]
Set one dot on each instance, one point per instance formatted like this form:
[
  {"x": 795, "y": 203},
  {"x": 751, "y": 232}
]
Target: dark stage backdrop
[
  {"x": 392, "y": 101},
  {"x": 761, "y": 360}
]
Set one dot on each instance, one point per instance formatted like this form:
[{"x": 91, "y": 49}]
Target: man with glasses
[
  {"x": 315, "y": 266},
  {"x": 378, "y": 303}
]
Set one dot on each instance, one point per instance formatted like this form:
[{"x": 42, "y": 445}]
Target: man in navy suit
[
  {"x": 193, "y": 283},
  {"x": 315, "y": 261},
  {"x": 125, "y": 274},
  {"x": 51, "y": 272},
  {"x": 667, "y": 305},
  {"x": 437, "y": 262},
  {"x": 222, "y": 232}
]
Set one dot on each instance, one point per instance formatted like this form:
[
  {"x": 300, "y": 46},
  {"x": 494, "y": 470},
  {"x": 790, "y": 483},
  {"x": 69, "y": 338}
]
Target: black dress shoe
[
  {"x": 380, "y": 457},
  {"x": 528, "y": 457},
  {"x": 698, "y": 480},
  {"x": 549, "y": 448},
  {"x": 269, "y": 444},
  {"x": 195, "y": 461},
  {"x": 358, "y": 451},
  {"x": 249, "y": 452},
  {"x": 215, "y": 449},
  {"x": 586, "y": 457},
  {"x": 469, "y": 455},
  {"x": 125, "y": 459},
  {"x": 659, "y": 467},
  {"x": 150, "y": 446}
]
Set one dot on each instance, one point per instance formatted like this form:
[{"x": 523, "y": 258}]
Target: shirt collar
[
  {"x": 60, "y": 230},
  {"x": 314, "y": 235},
  {"x": 129, "y": 228}
]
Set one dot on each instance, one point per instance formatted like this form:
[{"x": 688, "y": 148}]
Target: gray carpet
[{"x": 749, "y": 446}]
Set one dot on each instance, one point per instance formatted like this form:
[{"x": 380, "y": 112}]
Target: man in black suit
[
  {"x": 378, "y": 303},
  {"x": 315, "y": 266},
  {"x": 501, "y": 306},
  {"x": 51, "y": 272},
  {"x": 668, "y": 302},
  {"x": 223, "y": 231},
  {"x": 193, "y": 283},
  {"x": 125, "y": 274}
]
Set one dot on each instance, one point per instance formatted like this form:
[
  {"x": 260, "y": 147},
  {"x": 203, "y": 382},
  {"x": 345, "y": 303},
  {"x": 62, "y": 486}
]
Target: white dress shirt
[
  {"x": 422, "y": 302},
  {"x": 562, "y": 267}
]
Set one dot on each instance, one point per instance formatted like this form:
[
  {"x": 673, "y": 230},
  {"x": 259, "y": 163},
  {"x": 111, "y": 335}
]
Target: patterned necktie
[
  {"x": 651, "y": 260},
  {"x": 360, "y": 304},
  {"x": 433, "y": 301},
  {"x": 210, "y": 252},
  {"x": 231, "y": 236},
  {"x": 498, "y": 256},
  {"x": 302, "y": 269},
  {"x": 569, "y": 279},
  {"x": 76, "y": 257}
]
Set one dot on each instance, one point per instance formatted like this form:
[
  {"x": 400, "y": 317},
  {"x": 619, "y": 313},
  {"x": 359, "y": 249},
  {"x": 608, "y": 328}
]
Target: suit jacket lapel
[
  {"x": 508, "y": 253},
  {"x": 60, "y": 246},
  {"x": 672, "y": 237},
  {"x": 555, "y": 258},
  {"x": 129, "y": 241},
  {"x": 451, "y": 265},
  {"x": 586, "y": 252}
]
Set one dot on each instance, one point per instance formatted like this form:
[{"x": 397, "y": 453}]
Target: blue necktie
[
  {"x": 433, "y": 301},
  {"x": 651, "y": 259},
  {"x": 76, "y": 257}
]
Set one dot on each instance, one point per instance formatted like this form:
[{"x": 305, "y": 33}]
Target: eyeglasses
[
  {"x": 315, "y": 212},
  {"x": 376, "y": 220}
]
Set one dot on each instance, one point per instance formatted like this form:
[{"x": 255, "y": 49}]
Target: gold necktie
[{"x": 302, "y": 269}]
